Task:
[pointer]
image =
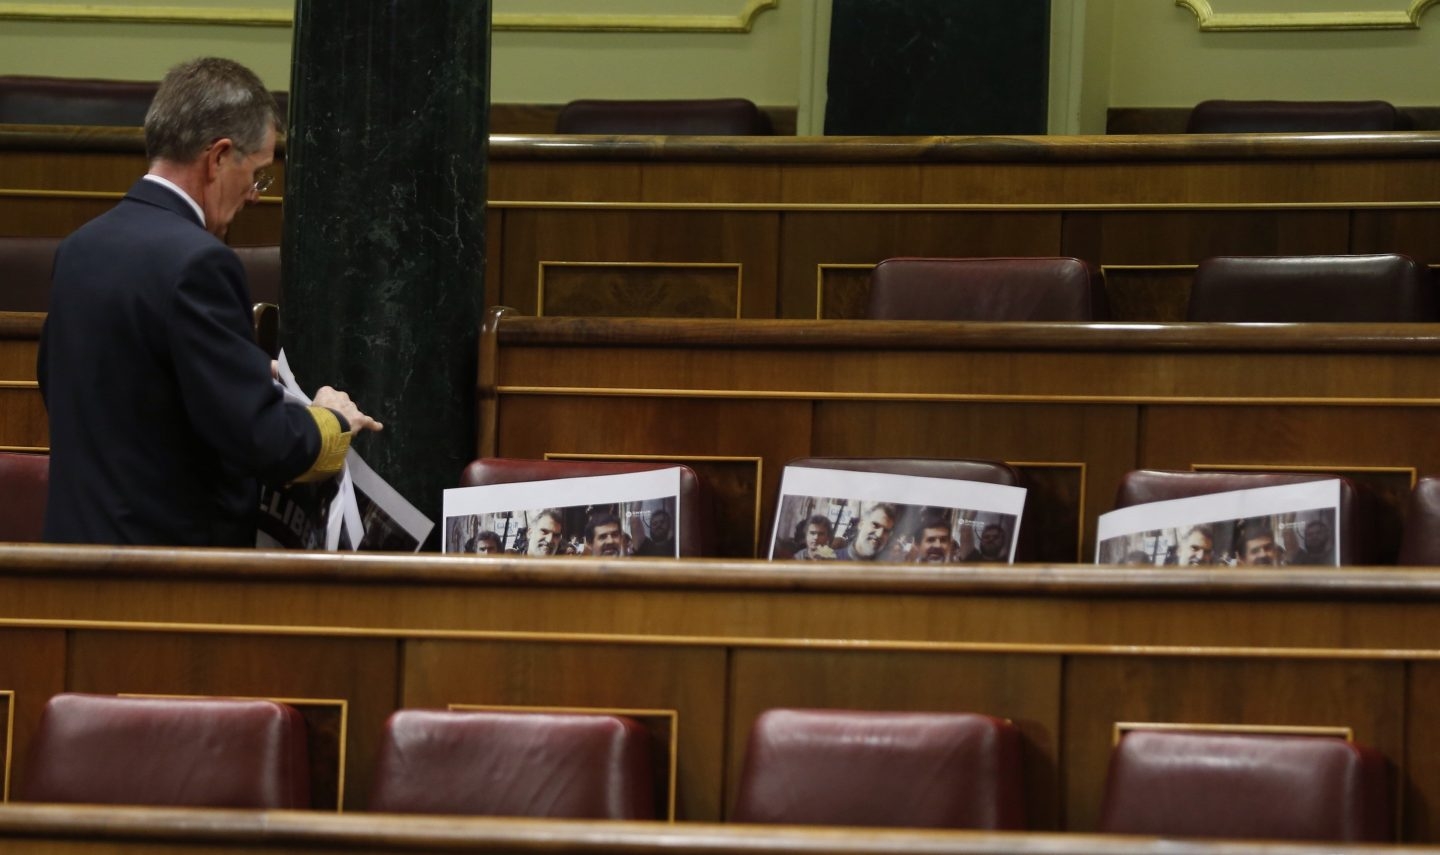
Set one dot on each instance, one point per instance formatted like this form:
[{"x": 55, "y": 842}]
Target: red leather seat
[
  {"x": 1246, "y": 117},
  {"x": 1369, "y": 533},
  {"x": 26, "y": 262},
  {"x": 1420, "y": 541},
  {"x": 1313, "y": 288},
  {"x": 175, "y": 752},
  {"x": 695, "y": 532},
  {"x": 987, "y": 289},
  {"x": 899, "y": 769},
  {"x": 1252, "y": 786},
  {"x": 26, "y": 100},
  {"x": 706, "y": 116},
  {"x": 24, "y": 485},
  {"x": 262, "y": 271},
  {"x": 25, "y": 265},
  {"x": 33, "y": 100},
  {"x": 571, "y": 766}
]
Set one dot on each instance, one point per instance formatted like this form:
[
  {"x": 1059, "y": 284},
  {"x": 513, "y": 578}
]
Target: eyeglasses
[{"x": 263, "y": 179}]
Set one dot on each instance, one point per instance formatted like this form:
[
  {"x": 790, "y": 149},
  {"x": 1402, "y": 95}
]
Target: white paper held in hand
[{"x": 349, "y": 516}]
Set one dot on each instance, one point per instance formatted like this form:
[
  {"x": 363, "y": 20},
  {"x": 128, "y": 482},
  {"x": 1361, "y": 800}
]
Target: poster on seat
[
  {"x": 840, "y": 515},
  {"x": 1291, "y": 524},
  {"x": 600, "y": 516}
]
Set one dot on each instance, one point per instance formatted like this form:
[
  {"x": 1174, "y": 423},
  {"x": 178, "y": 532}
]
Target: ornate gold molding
[
  {"x": 246, "y": 16},
  {"x": 1397, "y": 19},
  {"x": 739, "y": 21}
]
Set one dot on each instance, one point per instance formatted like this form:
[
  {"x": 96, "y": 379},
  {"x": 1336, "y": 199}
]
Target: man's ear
[{"x": 217, "y": 152}]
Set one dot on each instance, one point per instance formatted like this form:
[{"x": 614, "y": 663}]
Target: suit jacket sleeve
[{"x": 225, "y": 379}]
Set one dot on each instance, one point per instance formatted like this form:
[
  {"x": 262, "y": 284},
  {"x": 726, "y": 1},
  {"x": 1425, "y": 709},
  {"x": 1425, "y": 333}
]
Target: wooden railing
[
  {"x": 1064, "y": 652},
  {"x": 81, "y": 830}
]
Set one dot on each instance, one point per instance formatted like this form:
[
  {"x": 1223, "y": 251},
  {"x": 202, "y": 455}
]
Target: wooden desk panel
[
  {"x": 80, "y": 830},
  {"x": 1100, "y": 399},
  {"x": 1065, "y": 652},
  {"x": 790, "y": 209}
]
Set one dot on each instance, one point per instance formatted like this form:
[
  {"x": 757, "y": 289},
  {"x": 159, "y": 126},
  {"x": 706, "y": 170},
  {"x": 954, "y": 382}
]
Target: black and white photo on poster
[
  {"x": 601, "y": 516},
  {"x": 1291, "y": 524},
  {"x": 843, "y": 515}
]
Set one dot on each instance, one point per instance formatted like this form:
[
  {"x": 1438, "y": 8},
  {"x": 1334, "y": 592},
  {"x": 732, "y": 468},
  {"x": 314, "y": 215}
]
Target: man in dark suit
[{"x": 163, "y": 413}]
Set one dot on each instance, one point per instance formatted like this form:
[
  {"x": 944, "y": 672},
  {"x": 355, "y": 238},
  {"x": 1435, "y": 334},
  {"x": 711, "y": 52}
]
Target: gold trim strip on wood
[
  {"x": 26, "y": 449},
  {"x": 1337, "y": 469},
  {"x": 342, "y": 703},
  {"x": 7, "y": 696},
  {"x": 672, "y": 715},
  {"x": 740, "y": 22},
  {"x": 684, "y": 458},
  {"x": 825, "y": 395},
  {"x": 1123, "y": 727},
  {"x": 19, "y": 384},
  {"x": 737, "y": 266},
  {"x": 900, "y": 646},
  {"x": 857, "y": 207},
  {"x": 248, "y": 16},
  {"x": 1210, "y": 20},
  {"x": 979, "y": 207},
  {"x": 93, "y": 195}
]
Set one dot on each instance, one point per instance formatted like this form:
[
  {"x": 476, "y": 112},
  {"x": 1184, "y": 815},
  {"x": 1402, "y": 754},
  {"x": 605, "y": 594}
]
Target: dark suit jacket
[{"x": 162, "y": 410}]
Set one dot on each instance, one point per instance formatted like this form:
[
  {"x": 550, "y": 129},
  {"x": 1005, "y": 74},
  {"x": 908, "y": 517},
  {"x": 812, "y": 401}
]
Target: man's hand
[{"x": 334, "y": 399}]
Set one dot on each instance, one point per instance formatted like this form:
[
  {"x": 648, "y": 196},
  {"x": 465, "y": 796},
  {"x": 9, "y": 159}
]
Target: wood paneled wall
[
  {"x": 789, "y": 227},
  {"x": 1064, "y": 652}
]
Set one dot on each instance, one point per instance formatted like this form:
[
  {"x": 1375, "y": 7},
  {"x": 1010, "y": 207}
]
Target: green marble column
[{"x": 384, "y": 239}]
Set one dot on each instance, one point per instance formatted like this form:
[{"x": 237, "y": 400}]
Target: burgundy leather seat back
[
  {"x": 1313, "y": 288},
  {"x": 696, "y": 533},
  {"x": 985, "y": 471},
  {"x": 708, "y": 117},
  {"x": 30, "y": 100},
  {"x": 262, "y": 271},
  {"x": 1252, "y": 786},
  {"x": 1256, "y": 117},
  {"x": 1420, "y": 542},
  {"x": 569, "y": 766},
  {"x": 24, "y": 485},
  {"x": 26, "y": 262},
  {"x": 25, "y": 265},
  {"x": 901, "y": 769},
  {"x": 1369, "y": 533},
  {"x": 987, "y": 289},
  {"x": 174, "y": 752}
]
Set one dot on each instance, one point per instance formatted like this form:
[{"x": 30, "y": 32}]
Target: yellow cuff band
[{"x": 334, "y": 444}]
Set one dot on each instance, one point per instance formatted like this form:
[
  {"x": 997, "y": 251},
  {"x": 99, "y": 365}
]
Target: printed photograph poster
[
  {"x": 1294, "y": 524},
  {"x": 599, "y": 516},
  {"x": 840, "y": 515}
]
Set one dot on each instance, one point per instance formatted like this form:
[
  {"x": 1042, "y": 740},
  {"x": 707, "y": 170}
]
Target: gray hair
[{"x": 203, "y": 100}]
